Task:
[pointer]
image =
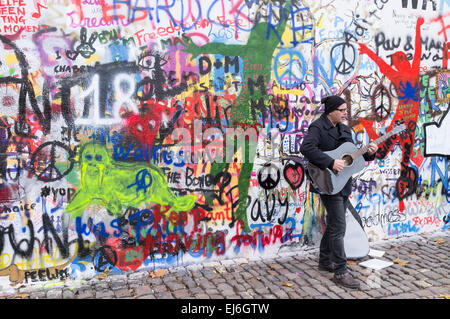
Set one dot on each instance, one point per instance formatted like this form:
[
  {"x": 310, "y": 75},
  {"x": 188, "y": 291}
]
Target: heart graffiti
[{"x": 293, "y": 174}]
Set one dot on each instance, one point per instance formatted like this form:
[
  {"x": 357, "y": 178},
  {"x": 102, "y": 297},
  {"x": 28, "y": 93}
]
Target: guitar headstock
[{"x": 399, "y": 128}]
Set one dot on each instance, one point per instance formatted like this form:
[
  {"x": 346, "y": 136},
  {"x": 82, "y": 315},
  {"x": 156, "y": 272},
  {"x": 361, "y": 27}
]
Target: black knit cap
[{"x": 332, "y": 102}]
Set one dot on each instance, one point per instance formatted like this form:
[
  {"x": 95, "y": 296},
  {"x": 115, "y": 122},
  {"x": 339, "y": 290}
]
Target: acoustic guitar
[{"x": 331, "y": 182}]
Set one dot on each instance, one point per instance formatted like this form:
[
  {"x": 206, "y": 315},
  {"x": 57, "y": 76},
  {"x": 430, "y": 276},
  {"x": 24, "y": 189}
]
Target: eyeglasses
[{"x": 342, "y": 110}]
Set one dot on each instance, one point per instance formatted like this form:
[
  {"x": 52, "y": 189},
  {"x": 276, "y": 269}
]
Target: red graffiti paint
[
  {"x": 8, "y": 101},
  {"x": 106, "y": 9},
  {"x": 260, "y": 237},
  {"x": 13, "y": 37},
  {"x": 79, "y": 8},
  {"x": 446, "y": 48},
  {"x": 405, "y": 76},
  {"x": 145, "y": 126}
]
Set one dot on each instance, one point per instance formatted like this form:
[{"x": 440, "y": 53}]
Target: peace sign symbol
[
  {"x": 383, "y": 109},
  {"x": 344, "y": 57},
  {"x": 105, "y": 257},
  {"x": 46, "y": 158},
  {"x": 289, "y": 73},
  {"x": 265, "y": 176}
]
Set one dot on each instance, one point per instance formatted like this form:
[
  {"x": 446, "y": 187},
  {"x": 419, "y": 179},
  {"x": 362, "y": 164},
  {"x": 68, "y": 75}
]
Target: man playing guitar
[{"x": 325, "y": 134}]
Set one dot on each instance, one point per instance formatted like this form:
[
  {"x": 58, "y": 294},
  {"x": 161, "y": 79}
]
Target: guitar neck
[{"x": 379, "y": 140}]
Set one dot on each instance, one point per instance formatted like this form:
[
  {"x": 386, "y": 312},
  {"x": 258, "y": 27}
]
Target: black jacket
[{"x": 323, "y": 136}]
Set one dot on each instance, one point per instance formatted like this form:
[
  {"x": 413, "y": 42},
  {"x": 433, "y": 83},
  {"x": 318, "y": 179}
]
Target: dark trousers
[{"x": 332, "y": 243}]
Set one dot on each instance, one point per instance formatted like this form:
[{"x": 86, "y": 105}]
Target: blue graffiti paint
[
  {"x": 119, "y": 52},
  {"x": 290, "y": 77},
  {"x": 295, "y": 28},
  {"x": 208, "y": 15},
  {"x": 260, "y": 245},
  {"x": 292, "y": 228},
  {"x": 408, "y": 92},
  {"x": 443, "y": 176},
  {"x": 319, "y": 68},
  {"x": 184, "y": 28},
  {"x": 219, "y": 74},
  {"x": 79, "y": 264},
  {"x": 248, "y": 4},
  {"x": 119, "y": 152},
  {"x": 271, "y": 26},
  {"x": 138, "y": 223},
  {"x": 165, "y": 9},
  {"x": 395, "y": 229},
  {"x": 446, "y": 220},
  {"x": 141, "y": 181},
  {"x": 359, "y": 206}
]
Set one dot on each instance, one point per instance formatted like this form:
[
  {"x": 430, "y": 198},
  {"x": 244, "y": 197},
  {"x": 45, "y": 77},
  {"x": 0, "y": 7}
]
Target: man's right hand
[{"x": 338, "y": 165}]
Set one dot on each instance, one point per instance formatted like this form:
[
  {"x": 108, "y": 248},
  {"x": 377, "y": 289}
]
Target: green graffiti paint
[
  {"x": 117, "y": 186},
  {"x": 257, "y": 55}
]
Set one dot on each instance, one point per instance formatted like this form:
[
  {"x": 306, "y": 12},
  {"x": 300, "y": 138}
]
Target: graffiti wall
[{"x": 157, "y": 133}]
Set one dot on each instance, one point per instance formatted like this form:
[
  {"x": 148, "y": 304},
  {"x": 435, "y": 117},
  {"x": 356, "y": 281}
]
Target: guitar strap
[
  {"x": 350, "y": 207},
  {"x": 355, "y": 214}
]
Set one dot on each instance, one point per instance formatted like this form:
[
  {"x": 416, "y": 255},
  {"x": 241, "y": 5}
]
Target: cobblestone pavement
[{"x": 420, "y": 270}]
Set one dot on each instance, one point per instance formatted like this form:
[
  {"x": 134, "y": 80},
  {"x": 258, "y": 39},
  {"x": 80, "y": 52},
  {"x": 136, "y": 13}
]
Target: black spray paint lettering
[
  {"x": 97, "y": 86},
  {"x": 27, "y": 91},
  {"x": 205, "y": 65},
  {"x": 18, "y": 248},
  {"x": 46, "y": 274},
  {"x": 153, "y": 86},
  {"x": 60, "y": 192}
]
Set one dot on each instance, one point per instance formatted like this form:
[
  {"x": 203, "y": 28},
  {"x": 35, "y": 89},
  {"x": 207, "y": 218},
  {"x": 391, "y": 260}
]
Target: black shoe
[
  {"x": 346, "y": 280},
  {"x": 329, "y": 268}
]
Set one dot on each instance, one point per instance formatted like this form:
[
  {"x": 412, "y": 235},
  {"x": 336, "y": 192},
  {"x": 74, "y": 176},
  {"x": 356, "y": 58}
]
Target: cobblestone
[
  {"x": 289, "y": 276},
  {"x": 54, "y": 294},
  {"x": 68, "y": 294},
  {"x": 142, "y": 290},
  {"x": 183, "y": 293},
  {"x": 121, "y": 293},
  {"x": 85, "y": 294},
  {"x": 394, "y": 290},
  {"x": 104, "y": 294}
]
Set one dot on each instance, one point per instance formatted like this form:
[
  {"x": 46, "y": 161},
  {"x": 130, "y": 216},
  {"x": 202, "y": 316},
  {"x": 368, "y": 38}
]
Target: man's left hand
[{"x": 372, "y": 148}]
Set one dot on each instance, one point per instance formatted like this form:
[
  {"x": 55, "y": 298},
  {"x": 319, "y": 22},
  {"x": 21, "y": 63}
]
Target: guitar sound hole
[{"x": 348, "y": 160}]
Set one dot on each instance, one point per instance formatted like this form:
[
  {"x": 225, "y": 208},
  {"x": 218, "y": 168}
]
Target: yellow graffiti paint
[
  {"x": 278, "y": 91},
  {"x": 93, "y": 58},
  {"x": 320, "y": 22},
  {"x": 11, "y": 59},
  {"x": 24, "y": 265},
  {"x": 41, "y": 260},
  {"x": 52, "y": 285},
  {"x": 4, "y": 264},
  {"x": 287, "y": 37}
]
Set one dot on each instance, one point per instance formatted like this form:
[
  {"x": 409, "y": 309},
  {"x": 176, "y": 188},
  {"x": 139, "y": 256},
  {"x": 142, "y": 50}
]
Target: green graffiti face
[
  {"x": 94, "y": 161},
  {"x": 95, "y": 156},
  {"x": 117, "y": 186}
]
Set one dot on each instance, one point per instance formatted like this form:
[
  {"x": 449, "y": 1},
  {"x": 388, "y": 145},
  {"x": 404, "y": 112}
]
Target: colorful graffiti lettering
[{"x": 143, "y": 134}]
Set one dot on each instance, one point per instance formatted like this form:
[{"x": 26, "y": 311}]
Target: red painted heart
[
  {"x": 293, "y": 174},
  {"x": 128, "y": 259}
]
